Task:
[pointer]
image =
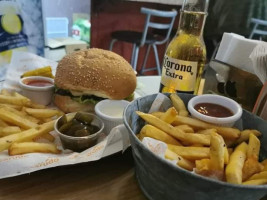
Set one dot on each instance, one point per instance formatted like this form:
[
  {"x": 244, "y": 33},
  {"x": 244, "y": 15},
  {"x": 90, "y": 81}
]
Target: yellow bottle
[{"x": 185, "y": 57}]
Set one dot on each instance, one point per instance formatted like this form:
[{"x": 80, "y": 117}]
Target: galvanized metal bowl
[{"x": 159, "y": 179}]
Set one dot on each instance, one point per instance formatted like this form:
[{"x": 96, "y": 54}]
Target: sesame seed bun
[{"x": 97, "y": 72}]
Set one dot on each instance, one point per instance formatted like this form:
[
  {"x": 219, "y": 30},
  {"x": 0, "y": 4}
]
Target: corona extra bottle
[{"x": 185, "y": 56}]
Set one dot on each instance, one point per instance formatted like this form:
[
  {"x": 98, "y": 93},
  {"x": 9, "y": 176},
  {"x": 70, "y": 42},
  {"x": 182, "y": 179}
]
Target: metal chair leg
[
  {"x": 135, "y": 59},
  {"x": 133, "y": 55},
  {"x": 145, "y": 59},
  {"x": 157, "y": 59},
  {"x": 111, "y": 44}
]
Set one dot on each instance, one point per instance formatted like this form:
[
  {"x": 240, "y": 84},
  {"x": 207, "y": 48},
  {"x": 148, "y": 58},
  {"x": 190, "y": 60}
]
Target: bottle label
[{"x": 179, "y": 74}]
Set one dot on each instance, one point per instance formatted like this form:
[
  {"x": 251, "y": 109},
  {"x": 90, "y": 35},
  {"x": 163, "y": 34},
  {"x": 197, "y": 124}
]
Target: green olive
[
  {"x": 63, "y": 120},
  {"x": 74, "y": 128},
  {"x": 65, "y": 127},
  {"x": 81, "y": 133},
  {"x": 86, "y": 119},
  {"x": 92, "y": 129}
]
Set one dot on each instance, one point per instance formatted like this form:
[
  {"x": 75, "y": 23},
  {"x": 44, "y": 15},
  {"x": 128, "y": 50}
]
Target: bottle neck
[{"x": 192, "y": 23}]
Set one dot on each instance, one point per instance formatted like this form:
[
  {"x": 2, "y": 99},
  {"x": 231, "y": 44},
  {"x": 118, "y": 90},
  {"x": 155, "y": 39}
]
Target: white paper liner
[
  {"x": 22, "y": 62},
  {"x": 22, "y": 164},
  {"x": 259, "y": 61}
]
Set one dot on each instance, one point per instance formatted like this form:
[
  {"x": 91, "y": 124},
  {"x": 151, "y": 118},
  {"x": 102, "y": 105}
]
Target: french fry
[
  {"x": 35, "y": 105},
  {"x": 260, "y": 175},
  {"x": 179, "y": 105},
  {"x": 31, "y": 147},
  {"x": 13, "y": 100},
  {"x": 27, "y": 135},
  {"x": 226, "y": 132},
  {"x": 43, "y": 71},
  {"x": 41, "y": 113},
  {"x": 202, "y": 166},
  {"x": 183, "y": 163},
  {"x": 207, "y": 131},
  {"x": 15, "y": 119},
  {"x": 157, "y": 114},
  {"x": 6, "y": 141},
  {"x": 253, "y": 147},
  {"x": 252, "y": 165},
  {"x": 44, "y": 120},
  {"x": 255, "y": 182},
  {"x": 9, "y": 130},
  {"x": 244, "y": 135},
  {"x": 17, "y": 107},
  {"x": 226, "y": 155},
  {"x": 46, "y": 136},
  {"x": 190, "y": 153},
  {"x": 153, "y": 132},
  {"x": 169, "y": 115},
  {"x": 264, "y": 163},
  {"x": 23, "y": 114},
  {"x": 176, "y": 133},
  {"x": 41, "y": 130},
  {"x": 185, "y": 128},
  {"x": 217, "y": 151},
  {"x": 5, "y": 92},
  {"x": 3, "y": 123},
  {"x": 233, "y": 171}
]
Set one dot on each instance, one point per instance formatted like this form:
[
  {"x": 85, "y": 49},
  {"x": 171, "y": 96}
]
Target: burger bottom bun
[{"x": 67, "y": 105}]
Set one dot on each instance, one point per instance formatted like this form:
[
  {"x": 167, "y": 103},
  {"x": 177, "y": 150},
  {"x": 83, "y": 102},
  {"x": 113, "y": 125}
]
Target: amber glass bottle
[{"x": 185, "y": 57}]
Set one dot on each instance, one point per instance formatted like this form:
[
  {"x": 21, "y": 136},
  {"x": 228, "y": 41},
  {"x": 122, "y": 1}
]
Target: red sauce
[
  {"x": 213, "y": 110},
  {"x": 38, "y": 83}
]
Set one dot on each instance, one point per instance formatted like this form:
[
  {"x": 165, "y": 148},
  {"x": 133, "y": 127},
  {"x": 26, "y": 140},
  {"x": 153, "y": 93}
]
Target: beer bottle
[{"x": 185, "y": 56}]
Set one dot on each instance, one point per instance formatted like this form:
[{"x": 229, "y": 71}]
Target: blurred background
[
  {"x": 57, "y": 27},
  {"x": 54, "y": 28}
]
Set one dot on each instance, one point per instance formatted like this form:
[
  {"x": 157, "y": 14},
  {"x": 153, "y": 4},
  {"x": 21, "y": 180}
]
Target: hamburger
[{"x": 88, "y": 76}]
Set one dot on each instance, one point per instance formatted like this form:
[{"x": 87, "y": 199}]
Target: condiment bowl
[
  {"x": 79, "y": 144},
  {"x": 39, "y": 93},
  {"x": 111, "y": 112},
  {"x": 227, "y": 103}
]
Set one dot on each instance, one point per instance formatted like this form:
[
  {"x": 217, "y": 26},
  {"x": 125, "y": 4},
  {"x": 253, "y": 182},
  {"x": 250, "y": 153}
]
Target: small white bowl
[
  {"x": 38, "y": 94},
  {"x": 220, "y": 100},
  {"x": 111, "y": 113}
]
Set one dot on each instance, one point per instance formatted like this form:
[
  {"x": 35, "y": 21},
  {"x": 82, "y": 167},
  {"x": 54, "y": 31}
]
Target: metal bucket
[{"x": 160, "y": 180}]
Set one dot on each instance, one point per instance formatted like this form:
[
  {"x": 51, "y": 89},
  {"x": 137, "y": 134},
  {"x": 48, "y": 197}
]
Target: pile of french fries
[
  {"x": 221, "y": 153},
  {"x": 23, "y": 125}
]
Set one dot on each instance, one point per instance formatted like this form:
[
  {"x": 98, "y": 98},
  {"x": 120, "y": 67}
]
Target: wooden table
[{"x": 112, "y": 177}]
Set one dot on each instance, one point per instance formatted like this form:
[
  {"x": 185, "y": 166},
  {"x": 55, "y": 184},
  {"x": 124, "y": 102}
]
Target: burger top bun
[{"x": 96, "y": 72}]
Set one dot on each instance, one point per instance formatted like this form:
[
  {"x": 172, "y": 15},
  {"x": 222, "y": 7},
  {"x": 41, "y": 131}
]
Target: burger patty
[{"x": 81, "y": 98}]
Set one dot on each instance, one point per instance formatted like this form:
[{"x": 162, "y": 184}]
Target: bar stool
[
  {"x": 258, "y": 29},
  {"x": 139, "y": 39}
]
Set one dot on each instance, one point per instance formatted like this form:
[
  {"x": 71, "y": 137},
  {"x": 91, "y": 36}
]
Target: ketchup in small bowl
[
  {"x": 38, "y": 83},
  {"x": 38, "y": 88},
  {"x": 215, "y": 109}
]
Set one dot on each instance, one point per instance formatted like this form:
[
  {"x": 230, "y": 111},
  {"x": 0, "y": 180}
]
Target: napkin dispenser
[{"x": 235, "y": 83}]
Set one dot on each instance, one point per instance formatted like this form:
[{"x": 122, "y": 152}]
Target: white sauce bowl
[{"x": 111, "y": 113}]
